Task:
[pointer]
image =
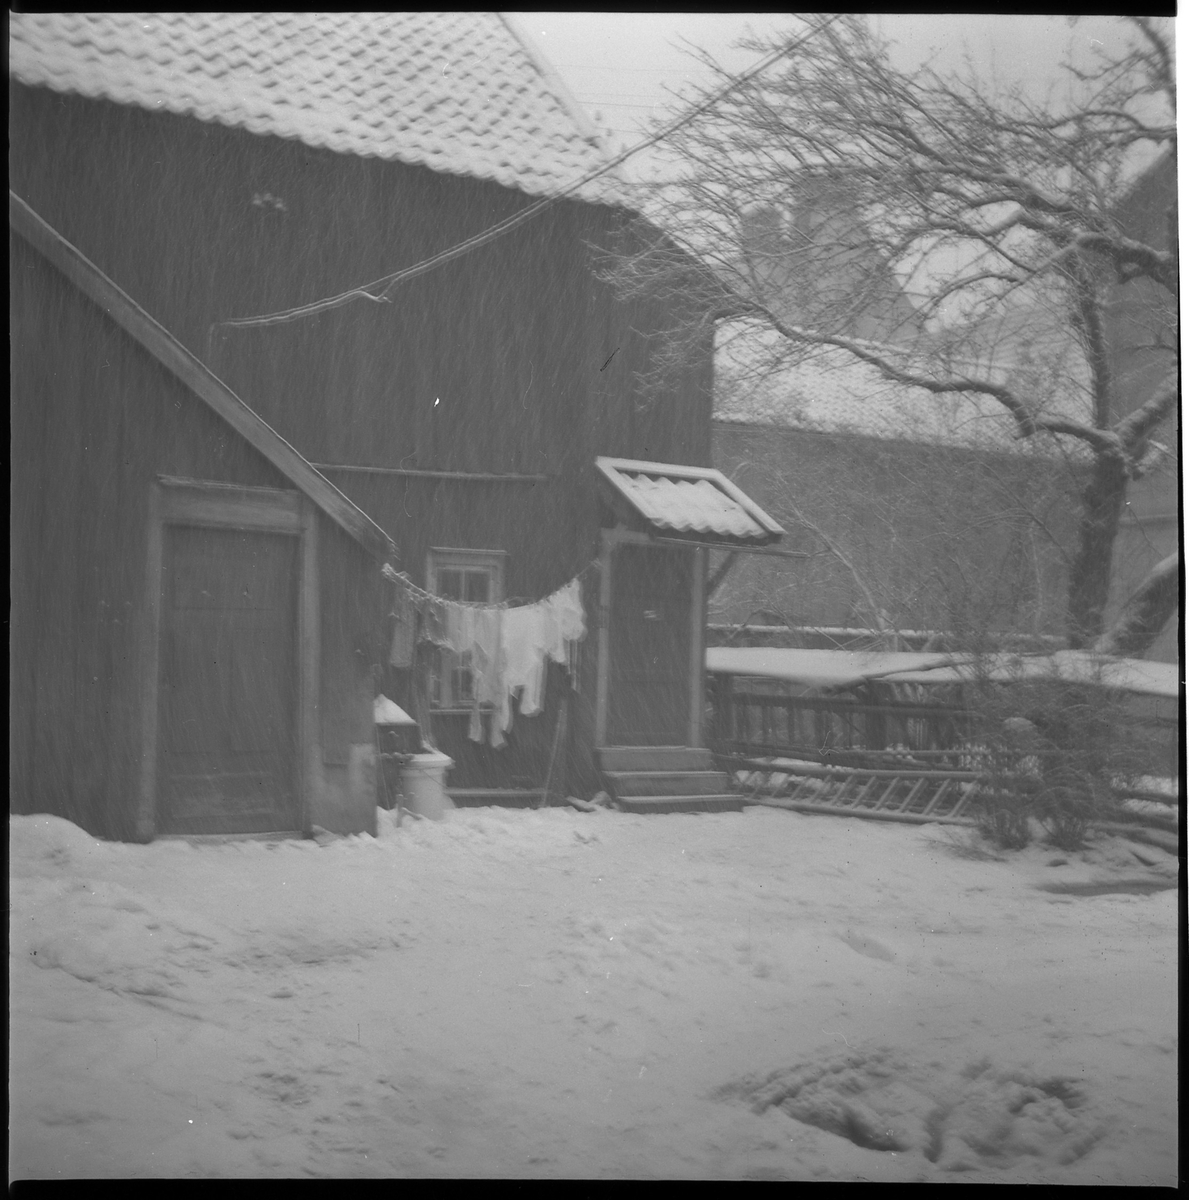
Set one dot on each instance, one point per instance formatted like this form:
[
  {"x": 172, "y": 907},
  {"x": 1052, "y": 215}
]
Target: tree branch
[
  {"x": 1147, "y": 612},
  {"x": 1134, "y": 429}
]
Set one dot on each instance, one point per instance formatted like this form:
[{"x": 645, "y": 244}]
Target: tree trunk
[
  {"x": 1090, "y": 574},
  {"x": 1146, "y": 613}
]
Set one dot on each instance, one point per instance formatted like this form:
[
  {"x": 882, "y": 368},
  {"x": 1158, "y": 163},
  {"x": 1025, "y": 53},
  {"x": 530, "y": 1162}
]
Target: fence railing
[
  {"x": 906, "y": 737},
  {"x": 838, "y": 730}
]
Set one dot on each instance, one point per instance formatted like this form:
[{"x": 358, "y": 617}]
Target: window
[{"x": 473, "y": 576}]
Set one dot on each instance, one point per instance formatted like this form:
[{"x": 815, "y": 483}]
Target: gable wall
[
  {"x": 95, "y": 419},
  {"x": 513, "y": 358}
]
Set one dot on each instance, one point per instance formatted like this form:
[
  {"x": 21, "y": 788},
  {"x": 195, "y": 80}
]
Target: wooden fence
[
  {"x": 874, "y": 730},
  {"x": 837, "y": 730}
]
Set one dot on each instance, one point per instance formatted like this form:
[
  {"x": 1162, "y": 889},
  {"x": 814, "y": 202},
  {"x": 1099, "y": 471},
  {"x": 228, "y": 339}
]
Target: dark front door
[
  {"x": 648, "y": 698},
  {"x": 229, "y": 682}
]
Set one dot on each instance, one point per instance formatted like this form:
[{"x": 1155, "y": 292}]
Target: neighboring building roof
[
  {"x": 460, "y": 93},
  {"x": 833, "y": 669},
  {"x": 696, "y": 503},
  {"x": 168, "y": 351},
  {"x": 836, "y": 393},
  {"x": 1072, "y": 666}
]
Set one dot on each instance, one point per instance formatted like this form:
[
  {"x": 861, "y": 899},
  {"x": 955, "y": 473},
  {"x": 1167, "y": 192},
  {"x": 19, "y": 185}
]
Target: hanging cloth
[
  {"x": 404, "y": 631},
  {"x": 570, "y": 615},
  {"x": 433, "y": 620},
  {"x": 507, "y": 648},
  {"x": 487, "y": 672},
  {"x": 524, "y": 657}
]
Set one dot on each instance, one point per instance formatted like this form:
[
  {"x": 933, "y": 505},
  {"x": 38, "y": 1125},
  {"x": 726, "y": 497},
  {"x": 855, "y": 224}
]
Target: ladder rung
[{"x": 941, "y": 793}]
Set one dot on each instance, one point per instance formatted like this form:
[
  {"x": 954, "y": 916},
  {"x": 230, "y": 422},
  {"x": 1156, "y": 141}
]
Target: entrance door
[
  {"x": 229, "y": 682},
  {"x": 648, "y": 698}
]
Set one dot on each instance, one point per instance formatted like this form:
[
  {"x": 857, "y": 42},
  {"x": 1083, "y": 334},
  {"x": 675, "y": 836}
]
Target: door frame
[
  {"x": 195, "y": 502},
  {"x": 609, "y": 541}
]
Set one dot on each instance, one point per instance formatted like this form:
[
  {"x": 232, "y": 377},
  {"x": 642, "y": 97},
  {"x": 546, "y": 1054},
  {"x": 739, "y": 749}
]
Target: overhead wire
[{"x": 388, "y": 282}]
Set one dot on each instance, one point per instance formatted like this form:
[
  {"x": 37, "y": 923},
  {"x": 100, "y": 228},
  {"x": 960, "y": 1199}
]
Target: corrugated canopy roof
[
  {"x": 696, "y": 503},
  {"x": 456, "y": 92},
  {"x": 836, "y": 669}
]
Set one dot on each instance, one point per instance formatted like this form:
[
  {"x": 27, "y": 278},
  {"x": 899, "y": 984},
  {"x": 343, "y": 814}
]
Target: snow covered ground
[{"x": 554, "y": 994}]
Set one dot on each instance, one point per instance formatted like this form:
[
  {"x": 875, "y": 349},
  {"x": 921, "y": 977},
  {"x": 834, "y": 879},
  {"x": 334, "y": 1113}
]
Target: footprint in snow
[{"x": 868, "y": 946}]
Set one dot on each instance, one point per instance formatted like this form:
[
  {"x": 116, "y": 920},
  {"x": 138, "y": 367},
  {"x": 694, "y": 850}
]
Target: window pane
[
  {"x": 450, "y": 584},
  {"x": 477, "y": 587}
]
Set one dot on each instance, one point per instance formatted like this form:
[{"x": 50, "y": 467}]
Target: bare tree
[{"x": 918, "y": 223}]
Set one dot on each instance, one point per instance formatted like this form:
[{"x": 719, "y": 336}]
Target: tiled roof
[
  {"x": 834, "y": 393},
  {"x": 456, "y": 92},
  {"x": 698, "y": 503}
]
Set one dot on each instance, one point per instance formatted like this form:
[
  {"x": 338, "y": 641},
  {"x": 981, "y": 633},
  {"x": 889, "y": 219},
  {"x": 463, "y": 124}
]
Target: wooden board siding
[
  {"x": 650, "y": 631},
  {"x": 229, "y": 683},
  {"x": 514, "y": 358},
  {"x": 497, "y": 361},
  {"x": 354, "y": 601},
  {"x": 95, "y": 420}
]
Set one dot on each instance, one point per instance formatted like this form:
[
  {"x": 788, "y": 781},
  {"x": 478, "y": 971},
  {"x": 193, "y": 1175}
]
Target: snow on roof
[
  {"x": 460, "y": 93},
  {"x": 836, "y": 393},
  {"x": 826, "y": 389},
  {"x": 388, "y": 712},
  {"x": 1134, "y": 675},
  {"x": 815, "y": 668},
  {"x": 685, "y": 501},
  {"x": 847, "y": 668}
]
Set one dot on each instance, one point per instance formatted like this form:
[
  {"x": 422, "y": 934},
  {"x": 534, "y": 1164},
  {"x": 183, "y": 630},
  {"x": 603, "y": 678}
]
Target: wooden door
[
  {"x": 229, "y": 682},
  {"x": 648, "y": 697}
]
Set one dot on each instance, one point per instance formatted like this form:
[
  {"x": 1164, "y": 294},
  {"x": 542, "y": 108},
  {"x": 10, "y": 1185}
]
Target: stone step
[
  {"x": 680, "y": 804},
  {"x": 655, "y": 758},
  {"x": 497, "y": 797},
  {"x": 668, "y": 783}
]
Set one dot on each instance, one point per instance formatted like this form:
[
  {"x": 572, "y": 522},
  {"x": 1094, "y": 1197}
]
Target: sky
[{"x": 627, "y": 68}]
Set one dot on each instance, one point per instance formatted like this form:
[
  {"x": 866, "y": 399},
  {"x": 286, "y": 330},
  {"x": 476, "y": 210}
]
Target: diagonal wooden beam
[
  {"x": 720, "y": 573},
  {"x": 176, "y": 359}
]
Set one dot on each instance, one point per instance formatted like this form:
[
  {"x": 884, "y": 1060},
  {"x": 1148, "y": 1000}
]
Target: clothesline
[
  {"x": 399, "y": 577},
  {"x": 504, "y": 648}
]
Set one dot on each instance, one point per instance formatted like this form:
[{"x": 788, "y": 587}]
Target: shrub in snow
[{"x": 1053, "y": 752}]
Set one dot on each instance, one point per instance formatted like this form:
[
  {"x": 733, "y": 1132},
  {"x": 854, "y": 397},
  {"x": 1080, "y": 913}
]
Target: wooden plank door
[
  {"x": 648, "y": 698},
  {"x": 229, "y": 682}
]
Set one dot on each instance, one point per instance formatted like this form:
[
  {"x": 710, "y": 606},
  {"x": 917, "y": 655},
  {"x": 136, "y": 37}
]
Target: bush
[{"x": 1053, "y": 753}]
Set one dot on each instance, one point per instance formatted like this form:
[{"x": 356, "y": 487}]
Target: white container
[{"x": 425, "y": 784}]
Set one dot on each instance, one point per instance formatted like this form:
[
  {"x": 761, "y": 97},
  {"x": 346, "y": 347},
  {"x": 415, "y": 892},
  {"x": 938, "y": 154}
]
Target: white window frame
[{"x": 450, "y": 672}]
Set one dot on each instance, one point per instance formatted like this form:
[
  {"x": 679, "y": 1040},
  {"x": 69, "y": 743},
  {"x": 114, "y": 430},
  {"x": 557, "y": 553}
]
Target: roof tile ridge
[{"x": 559, "y": 88}]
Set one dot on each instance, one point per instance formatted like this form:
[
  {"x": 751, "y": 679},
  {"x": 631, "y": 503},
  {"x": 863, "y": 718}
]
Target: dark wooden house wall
[
  {"x": 515, "y": 358},
  {"x": 95, "y": 420}
]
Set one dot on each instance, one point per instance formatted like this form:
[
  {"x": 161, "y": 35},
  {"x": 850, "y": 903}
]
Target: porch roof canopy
[
  {"x": 836, "y": 670},
  {"x": 697, "y": 504}
]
